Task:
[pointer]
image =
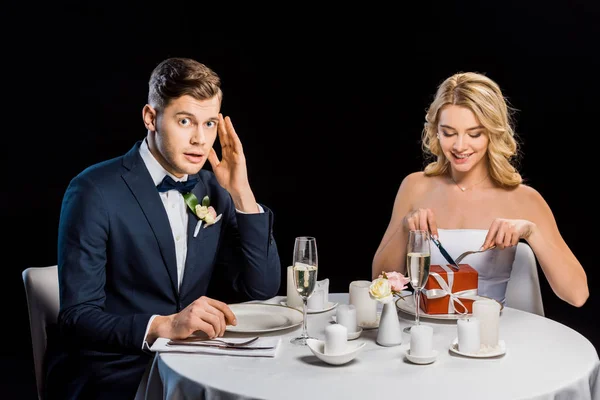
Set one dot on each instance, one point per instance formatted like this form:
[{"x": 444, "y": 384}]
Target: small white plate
[
  {"x": 318, "y": 347},
  {"x": 365, "y": 326},
  {"x": 501, "y": 350},
  {"x": 354, "y": 335},
  {"x": 330, "y": 306},
  {"x": 422, "y": 359}
]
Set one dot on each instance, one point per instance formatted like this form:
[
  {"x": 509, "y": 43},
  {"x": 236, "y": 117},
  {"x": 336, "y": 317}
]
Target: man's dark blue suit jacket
[{"x": 117, "y": 267}]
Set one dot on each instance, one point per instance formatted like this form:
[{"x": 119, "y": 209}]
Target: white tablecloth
[{"x": 544, "y": 360}]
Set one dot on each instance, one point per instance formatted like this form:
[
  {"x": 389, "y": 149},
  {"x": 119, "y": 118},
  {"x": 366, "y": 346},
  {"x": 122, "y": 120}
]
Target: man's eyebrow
[
  {"x": 468, "y": 129},
  {"x": 185, "y": 113}
]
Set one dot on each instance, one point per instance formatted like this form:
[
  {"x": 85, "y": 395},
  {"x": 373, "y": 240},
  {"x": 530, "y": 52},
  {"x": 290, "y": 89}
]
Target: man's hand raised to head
[{"x": 231, "y": 171}]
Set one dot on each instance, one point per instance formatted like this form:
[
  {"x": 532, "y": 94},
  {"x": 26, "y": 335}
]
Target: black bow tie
[{"x": 183, "y": 187}]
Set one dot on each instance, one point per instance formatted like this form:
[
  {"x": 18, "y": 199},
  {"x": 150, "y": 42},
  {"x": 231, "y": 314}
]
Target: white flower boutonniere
[{"x": 205, "y": 212}]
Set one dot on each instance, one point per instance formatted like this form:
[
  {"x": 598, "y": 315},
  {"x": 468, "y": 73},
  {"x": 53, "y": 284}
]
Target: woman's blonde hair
[{"x": 484, "y": 98}]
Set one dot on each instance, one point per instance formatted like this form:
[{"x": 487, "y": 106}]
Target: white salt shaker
[
  {"x": 336, "y": 339},
  {"x": 421, "y": 341},
  {"x": 346, "y": 316},
  {"x": 468, "y": 335}
]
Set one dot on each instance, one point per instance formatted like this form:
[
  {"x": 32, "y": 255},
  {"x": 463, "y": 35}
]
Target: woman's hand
[
  {"x": 507, "y": 232},
  {"x": 421, "y": 219}
]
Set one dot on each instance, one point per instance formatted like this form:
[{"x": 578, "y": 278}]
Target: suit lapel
[
  {"x": 140, "y": 182},
  {"x": 194, "y": 244}
]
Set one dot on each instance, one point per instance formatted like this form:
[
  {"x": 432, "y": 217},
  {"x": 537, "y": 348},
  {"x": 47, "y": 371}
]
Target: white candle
[
  {"x": 316, "y": 301},
  {"x": 346, "y": 316},
  {"x": 336, "y": 339},
  {"x": 487, "y": 311},
  {"x": 468, "y": 335},
  {"x": 366, "y": 307},
  {"x": 293, "y": 298},
  {"x": 421, "y": 340}
]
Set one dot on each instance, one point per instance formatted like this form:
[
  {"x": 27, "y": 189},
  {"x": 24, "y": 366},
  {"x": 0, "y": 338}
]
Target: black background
[{"x": 329, "y": 106}]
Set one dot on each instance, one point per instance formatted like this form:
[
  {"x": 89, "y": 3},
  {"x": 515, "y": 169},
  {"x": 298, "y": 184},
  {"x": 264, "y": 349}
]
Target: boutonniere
[{"x": 204, "y": 211}]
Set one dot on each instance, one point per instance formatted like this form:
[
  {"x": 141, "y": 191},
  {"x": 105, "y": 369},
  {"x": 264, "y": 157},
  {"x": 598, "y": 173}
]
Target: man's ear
[{"x": 149, "y": 116}]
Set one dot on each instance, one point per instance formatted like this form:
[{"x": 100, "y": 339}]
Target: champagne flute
[
  {"x": 305, "y": 277},
  {"x": 418, "y": 259}
]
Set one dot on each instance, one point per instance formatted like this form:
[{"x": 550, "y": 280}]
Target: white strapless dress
[{"x": 493, "y": 266}]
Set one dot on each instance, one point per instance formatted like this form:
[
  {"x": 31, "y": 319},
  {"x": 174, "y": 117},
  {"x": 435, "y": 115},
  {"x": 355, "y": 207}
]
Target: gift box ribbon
[{"x": 446, "y": 290}]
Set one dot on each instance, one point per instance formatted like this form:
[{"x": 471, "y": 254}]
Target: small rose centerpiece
[{"x": 387, "y": 286}]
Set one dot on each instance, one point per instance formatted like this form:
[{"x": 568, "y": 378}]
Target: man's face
[{"x": 184, "y": 133}]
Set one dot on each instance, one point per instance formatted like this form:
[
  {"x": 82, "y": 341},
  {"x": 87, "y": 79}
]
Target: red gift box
[{"x": 449, "y": 291}]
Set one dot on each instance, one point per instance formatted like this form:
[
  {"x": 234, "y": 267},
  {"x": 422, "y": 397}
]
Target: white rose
[
  {"x": 201, "y": 211},
  {"x": 381, "y": 290}
]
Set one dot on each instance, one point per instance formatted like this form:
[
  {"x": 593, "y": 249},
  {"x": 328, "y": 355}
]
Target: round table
[{"x": 544, "y": 360}]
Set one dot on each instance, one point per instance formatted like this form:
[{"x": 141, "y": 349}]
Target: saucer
[
  {"x": 422, "y": 359},
  {"x": 365, "y": 326},
  {"x": 318, "y": 347},
  {"x": 330, "y": 306},
  {"x": 354, "y": 335},
  {"x": 500, "y": 350}
]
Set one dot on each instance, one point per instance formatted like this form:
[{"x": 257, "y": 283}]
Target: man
[{"x": 140, "y": 239}]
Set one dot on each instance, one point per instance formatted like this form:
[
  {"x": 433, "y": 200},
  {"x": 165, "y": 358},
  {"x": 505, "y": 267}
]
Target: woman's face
[{"x": 462, "y": 138}]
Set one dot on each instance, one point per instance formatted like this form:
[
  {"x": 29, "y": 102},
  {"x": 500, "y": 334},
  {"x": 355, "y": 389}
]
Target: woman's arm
[
  {"x": 564, "y": 272},
  {"x": 391, "y": 253}
]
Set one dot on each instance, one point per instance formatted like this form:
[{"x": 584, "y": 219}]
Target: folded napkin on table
[{"x": 160, "y": 345}]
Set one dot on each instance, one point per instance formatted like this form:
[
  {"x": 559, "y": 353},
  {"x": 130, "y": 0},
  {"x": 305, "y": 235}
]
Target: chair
[
  {"x": 43, "y": 303},
  {"x": 523, "y": 290},
  {"x": 41, "y": 290}
]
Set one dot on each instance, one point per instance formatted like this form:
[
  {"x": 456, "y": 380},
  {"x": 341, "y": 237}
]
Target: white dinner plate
[
  {"x": 408, "y": 306},
  {"x": 500, "y": 350},
  {"x": 330, "y": 306},
  {"x": 261, "y": 317}
]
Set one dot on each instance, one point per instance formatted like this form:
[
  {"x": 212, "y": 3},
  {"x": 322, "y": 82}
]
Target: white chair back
[
  {"x": 523, "y": 290},
  {"x": 41, "y": 290},
  {"x": 43, "y": 302}
]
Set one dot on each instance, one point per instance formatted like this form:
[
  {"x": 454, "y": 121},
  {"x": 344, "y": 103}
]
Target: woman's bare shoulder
[
  {"x": 418, "y": 178},
  {"x": 527, "y": 193},
  {"x": 529, "y": 197},
  {"x": 417, "y": 182}
]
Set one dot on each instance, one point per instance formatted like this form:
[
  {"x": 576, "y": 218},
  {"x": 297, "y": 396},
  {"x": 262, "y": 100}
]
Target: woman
[{"x": 471, "y": 196}]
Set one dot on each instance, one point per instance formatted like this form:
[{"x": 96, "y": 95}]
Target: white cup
[
  {"x": 469, "y": 340},
  {"x": 336, "y": 339},
  {"x": 293, "y": 299},
  {"x": 346, "y": 316},
  {"x": 366, "y": 307},
  {"x": 421, "y": 340},
  {"x": 487, "y": 311}
]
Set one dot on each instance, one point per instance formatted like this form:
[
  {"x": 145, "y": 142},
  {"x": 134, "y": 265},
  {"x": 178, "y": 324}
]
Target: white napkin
[{"x": 160, "y": 345}]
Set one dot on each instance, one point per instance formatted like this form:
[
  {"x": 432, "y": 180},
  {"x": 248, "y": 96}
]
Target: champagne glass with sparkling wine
[
  {"x": 418, "y": 258},
  {"x": 305, "y": 277}
]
